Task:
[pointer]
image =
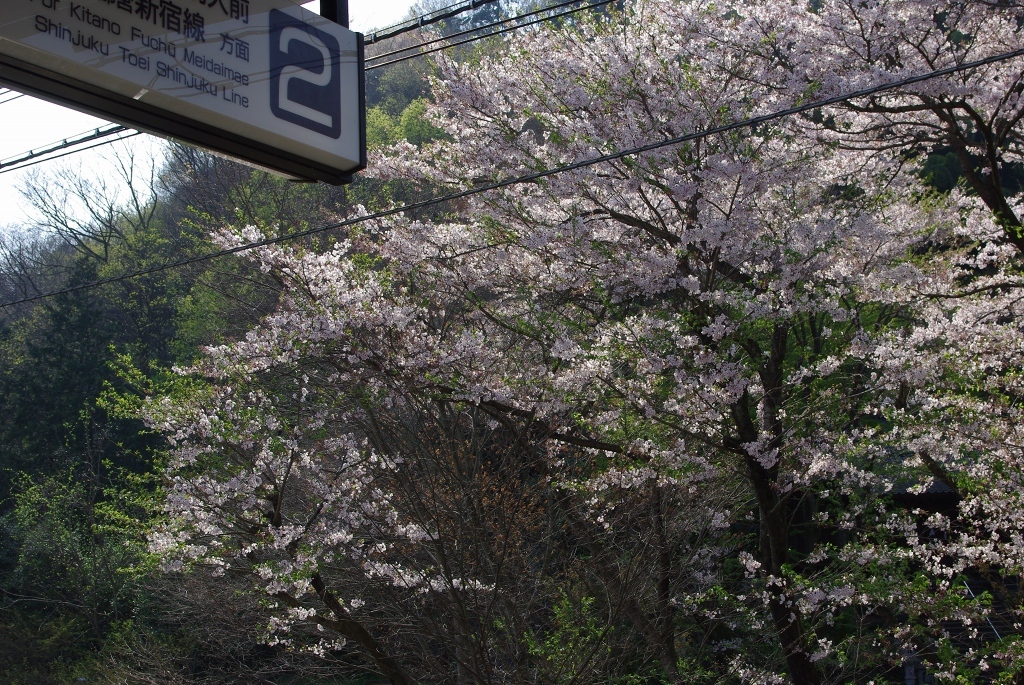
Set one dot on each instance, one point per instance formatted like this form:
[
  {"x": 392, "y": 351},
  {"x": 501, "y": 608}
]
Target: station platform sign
[{"x": 263, "y": 81}]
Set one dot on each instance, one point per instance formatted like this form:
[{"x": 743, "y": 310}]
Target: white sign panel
[{"x": 265, "y": 71}]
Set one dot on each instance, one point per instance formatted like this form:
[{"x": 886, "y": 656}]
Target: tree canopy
[{"x": 741, "y": 409}]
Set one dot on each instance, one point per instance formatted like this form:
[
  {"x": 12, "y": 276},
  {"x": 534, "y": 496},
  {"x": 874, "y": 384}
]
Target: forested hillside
[
  {"x": 674, "y": 401},
  {"x": 79, "y": 481}
]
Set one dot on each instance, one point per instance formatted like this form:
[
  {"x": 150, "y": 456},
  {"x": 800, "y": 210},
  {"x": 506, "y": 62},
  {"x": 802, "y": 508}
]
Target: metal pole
[{"x": 335, "y": 10}]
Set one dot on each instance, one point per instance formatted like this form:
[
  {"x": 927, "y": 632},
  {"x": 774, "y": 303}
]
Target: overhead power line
[
  {"x": 535, "y": 176},
  {"x": 425, "y": 20},
  {"x": 599, "y": 3},
  {"x": 72, "y": 152},
  {"x": 73, "y": 141}
]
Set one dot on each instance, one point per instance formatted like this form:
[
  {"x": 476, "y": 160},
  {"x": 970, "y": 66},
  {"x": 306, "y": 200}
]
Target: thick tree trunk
[
  {"x": 792, "y": 636},
  {"x": 988, "y": 186},
  {"x": 355, "y": 631},
  {"x": 774, "y": 526}
]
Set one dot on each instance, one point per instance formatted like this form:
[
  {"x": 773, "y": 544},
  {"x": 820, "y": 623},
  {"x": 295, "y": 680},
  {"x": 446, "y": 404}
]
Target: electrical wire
[
  {"x": 11, "y": 99},
  {"x": 600, "y": 3},
  {"x": 475, "y": 29},
  {"x": 447, "y": 46},
  {"x": 424, "y": 20},
  {"x": 72, "y": 152},
  {"x": 72, "y": 141},
  {"x": 425, "y": 14},
  {"x": 535, "y": 176}
]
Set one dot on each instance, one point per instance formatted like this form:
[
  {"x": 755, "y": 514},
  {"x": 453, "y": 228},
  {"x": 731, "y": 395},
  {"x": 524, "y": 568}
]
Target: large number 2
[{"x": 288, "y": 34}]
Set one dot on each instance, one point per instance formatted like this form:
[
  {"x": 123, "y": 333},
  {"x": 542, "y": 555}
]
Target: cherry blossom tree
[{"x": 721, "y": 355}]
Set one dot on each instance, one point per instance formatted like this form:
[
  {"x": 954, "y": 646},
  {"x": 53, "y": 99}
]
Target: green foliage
[
  {"x": 414, "y": 126},
  {"x": 381, "y": 128},
  {"x": 392, "y": 89},
  {"x": 384, "y": 129},
  {"x": 74, "y": 549},
  {"x": 574, "y": 643},
  {"x": 36, "y": 646},
  {"x": 941, "y": 171},
  {"x": 51, "y": 364},
  {"x": 219, "y": 308}
]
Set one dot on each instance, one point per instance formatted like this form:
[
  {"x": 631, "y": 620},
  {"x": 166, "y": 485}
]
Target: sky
[{"x": 27, "y": 123}]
